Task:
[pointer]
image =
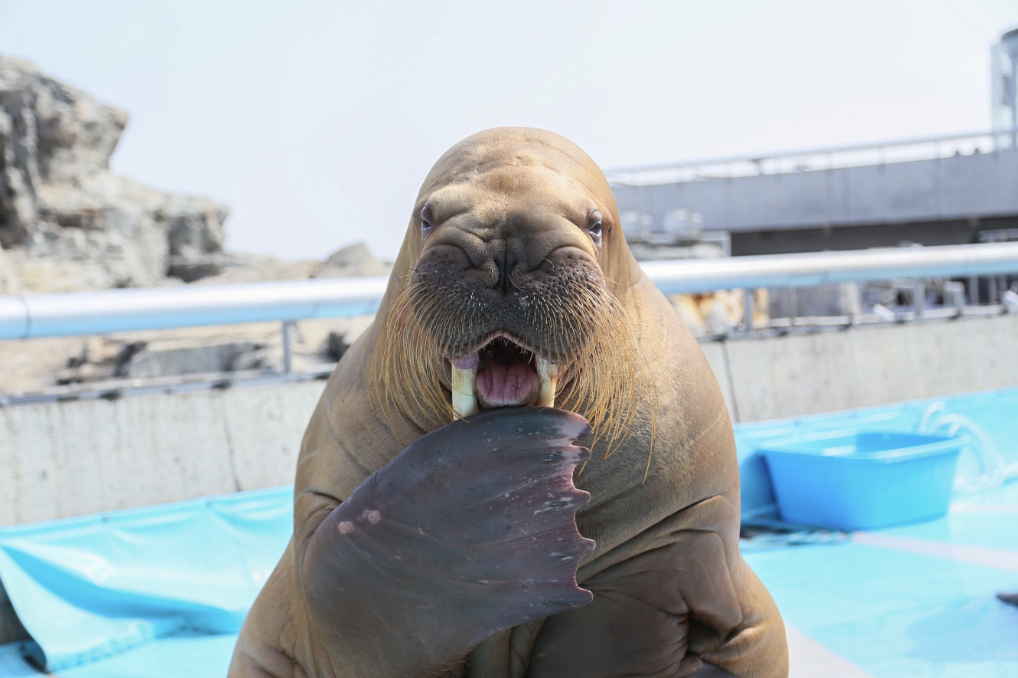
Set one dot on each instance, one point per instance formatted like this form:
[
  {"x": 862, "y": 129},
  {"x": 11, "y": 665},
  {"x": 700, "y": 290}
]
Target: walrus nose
[{"x": 505, "y": 265}]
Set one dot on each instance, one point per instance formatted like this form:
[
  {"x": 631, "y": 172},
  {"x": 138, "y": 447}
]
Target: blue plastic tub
[{"x": 862, "y": 481}]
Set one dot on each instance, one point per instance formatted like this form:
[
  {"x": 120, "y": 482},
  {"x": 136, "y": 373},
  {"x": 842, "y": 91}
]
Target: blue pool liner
[
  {"x": 91, "y": 587},
  {"x": 163, "y": 590}
]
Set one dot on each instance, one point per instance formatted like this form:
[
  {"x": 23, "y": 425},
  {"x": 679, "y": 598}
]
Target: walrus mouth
[
  {"x": 447, "y": 351},
  {"x": 503, "y": 372}
]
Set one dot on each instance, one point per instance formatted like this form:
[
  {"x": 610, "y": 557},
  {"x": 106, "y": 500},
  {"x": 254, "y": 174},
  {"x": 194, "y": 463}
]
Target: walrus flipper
[
  {"x": 468, "y": 531},
  {"x": 671, "y": 611}
]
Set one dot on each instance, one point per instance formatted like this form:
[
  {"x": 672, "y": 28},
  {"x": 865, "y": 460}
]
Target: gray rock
[
  {"x": 209, "y": 358},
  {"x": 99, "y": 359},
  {"x": 268, "y": 272},
  {"x": 49, "y": 132},
  {"x": 105, "y": 358},
  {"x": 68, "y": 224},
  {"x": 352, "y": 260},
  {"x": 260, "y": 357},
  {"x": 59, "y": 202},
  {"x": 10, "y": 282}
]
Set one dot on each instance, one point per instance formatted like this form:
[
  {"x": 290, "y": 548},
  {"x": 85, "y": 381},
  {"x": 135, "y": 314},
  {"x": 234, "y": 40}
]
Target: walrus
[{"x": 525, "y": 467}]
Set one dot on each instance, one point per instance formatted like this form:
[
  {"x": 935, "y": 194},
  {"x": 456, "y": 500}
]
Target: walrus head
[{"x": 511, "y": 292}]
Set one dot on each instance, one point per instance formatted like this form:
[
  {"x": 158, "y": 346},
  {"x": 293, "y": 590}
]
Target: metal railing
[
  {"x": 110, "y": 311},
  {"x": 33, "y": 316},
  {"x": 81, "y": 313},
  {"x": 822, "y": 268},
  {"x": 834, "y": 157}
]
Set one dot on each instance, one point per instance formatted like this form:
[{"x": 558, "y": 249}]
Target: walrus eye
[
  {"x": 594, "y": 227},
  {"x": 427, "y": 219}
]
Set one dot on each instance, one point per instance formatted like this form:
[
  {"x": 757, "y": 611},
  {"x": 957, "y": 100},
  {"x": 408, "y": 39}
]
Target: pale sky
[{"x": 316, "y": 121}]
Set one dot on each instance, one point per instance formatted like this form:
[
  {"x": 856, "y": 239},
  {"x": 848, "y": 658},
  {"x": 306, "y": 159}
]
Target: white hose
[{"x": 995, "y": 469}]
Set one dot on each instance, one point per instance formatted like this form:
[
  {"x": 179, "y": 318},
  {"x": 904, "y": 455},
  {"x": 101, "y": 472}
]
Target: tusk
[
  {"x": 464, "y": 390},
  {"x": 548, "y": 373}
]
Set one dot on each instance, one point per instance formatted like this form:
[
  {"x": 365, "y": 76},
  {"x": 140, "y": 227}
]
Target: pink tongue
[{"x": 499, "y": 384}]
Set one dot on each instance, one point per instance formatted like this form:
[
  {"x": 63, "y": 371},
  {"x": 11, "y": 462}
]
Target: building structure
[{"x": 931, "y": 191}]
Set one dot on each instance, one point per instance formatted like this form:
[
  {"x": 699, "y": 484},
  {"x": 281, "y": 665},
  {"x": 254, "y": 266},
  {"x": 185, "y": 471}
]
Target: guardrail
[
  {"x": 834, "y": 157},
  {"x": 53, "y": 315},
  {"x": 80, "y": 313},
  {"x": 33, "y": 316},
  {"x": 808, "y": 270}
]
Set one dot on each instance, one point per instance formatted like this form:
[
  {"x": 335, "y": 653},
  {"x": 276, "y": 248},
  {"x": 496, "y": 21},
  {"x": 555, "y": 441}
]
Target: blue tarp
[
  {"x": 162, "y": 591},
  {"x": 92, "y": 587}
]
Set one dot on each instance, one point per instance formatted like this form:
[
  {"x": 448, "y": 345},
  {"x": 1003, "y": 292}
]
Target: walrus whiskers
[{"x": 592, "y": 363}]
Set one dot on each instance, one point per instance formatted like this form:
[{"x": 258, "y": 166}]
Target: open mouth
[{"x": 502, "y": 373}]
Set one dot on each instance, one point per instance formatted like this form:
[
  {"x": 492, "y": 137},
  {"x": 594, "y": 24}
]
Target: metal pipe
[
  {"x": 79, "y": 313},
  {"x": 822, "y": 268},
  {"x": 13, "y": 318}
]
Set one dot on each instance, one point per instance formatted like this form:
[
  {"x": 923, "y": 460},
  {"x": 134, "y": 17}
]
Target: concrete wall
[
  {"x": 64, "y": 459},
  {"x": 960, "y": 187},
  {"x": 72, "y": 458},
  {"x": 809, "y": 373}
]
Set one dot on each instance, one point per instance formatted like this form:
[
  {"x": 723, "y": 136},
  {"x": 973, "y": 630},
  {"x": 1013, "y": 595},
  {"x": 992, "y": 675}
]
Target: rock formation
[{"x": 66, "y": 222}]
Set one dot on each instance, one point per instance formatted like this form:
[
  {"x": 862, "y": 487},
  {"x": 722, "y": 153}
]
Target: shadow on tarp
[{"x": 91, "y": 587}]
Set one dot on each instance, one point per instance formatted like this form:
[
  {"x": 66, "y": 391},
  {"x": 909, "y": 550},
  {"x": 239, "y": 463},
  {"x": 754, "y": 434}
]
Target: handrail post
[
  {"x": 955, "y": 296},
  {"x": 288, "y": 346},
  {"x": 748, "y": 307}
]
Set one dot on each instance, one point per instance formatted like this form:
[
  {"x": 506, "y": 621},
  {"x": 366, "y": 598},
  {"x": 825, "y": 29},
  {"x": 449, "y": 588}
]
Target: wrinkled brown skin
[{"x": 671, "y": 594}]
